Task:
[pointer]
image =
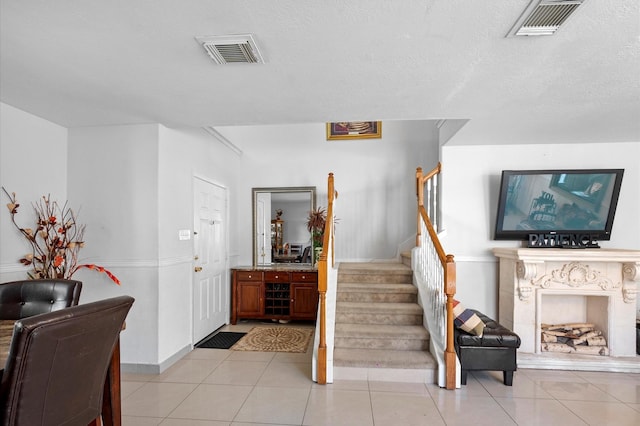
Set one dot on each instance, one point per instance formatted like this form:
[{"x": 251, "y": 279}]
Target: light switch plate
[{"x": 184, "y": 234}]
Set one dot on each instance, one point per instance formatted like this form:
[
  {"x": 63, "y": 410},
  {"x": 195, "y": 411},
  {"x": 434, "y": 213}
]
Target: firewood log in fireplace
[
  {"x": 581, "y": 338},
  {"x": 596, "y": 341},
  {"x": 584, "y": 337},
  {"x": 592, "y": 350},
  {"x": 557, "y": 347}
]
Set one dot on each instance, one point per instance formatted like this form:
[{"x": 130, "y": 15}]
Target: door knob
[{"x": 198, "y": 268}]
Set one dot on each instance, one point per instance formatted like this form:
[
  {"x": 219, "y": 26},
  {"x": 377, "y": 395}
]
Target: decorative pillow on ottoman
[{"x": 467, "y": 320}]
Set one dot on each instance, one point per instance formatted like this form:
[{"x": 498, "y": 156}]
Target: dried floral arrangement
[{"x": 55, "y": 241}]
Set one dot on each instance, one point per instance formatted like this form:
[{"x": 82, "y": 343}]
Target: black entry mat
[{"x": 221, "y": 340}]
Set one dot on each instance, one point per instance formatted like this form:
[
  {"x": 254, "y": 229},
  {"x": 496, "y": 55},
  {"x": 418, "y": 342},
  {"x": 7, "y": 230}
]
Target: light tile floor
[{"x": 212, "y": 387}]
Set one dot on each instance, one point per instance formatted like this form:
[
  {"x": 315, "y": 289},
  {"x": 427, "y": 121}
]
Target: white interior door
[{"x": 210, "y": 283}]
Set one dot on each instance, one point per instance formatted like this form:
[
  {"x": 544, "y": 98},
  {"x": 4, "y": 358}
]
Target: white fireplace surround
[{"x": 598, "y": 285}]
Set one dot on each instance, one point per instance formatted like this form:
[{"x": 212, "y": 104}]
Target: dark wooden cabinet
[
  {"x": 273, "y": 294},
  {"x": 249, "y": 290},
  {"x": 304, "y": 301},
  {"x": 304, "y": 295}
]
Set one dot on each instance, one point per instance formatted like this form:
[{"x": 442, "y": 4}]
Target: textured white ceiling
[{"x": 89, "y": 62}]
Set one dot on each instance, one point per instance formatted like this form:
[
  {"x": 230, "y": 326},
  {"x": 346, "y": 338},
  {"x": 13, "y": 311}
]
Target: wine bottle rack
[{"x": 277, "y": 299}]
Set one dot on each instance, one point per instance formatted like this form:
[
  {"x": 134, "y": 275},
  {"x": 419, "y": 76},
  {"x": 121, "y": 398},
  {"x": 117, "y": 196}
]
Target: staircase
[{"x": 379, "y": 332}]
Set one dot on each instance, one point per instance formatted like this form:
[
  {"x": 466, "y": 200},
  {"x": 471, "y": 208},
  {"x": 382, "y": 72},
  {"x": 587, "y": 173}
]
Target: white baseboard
[{"x": 155, "y": 368}]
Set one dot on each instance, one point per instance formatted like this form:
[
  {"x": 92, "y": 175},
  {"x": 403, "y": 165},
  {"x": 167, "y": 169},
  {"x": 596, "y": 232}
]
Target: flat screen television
[{"x": 557, "y": 206}]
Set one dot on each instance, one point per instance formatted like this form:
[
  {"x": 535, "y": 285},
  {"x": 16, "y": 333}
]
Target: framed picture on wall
[{"x": 354, "y": 130}]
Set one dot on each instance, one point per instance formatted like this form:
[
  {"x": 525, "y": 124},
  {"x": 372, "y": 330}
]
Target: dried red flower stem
[{"x": 55, "y": 242}]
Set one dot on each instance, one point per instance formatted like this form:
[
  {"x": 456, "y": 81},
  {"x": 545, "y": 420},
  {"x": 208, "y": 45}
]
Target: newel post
[{"x": 450, "y": 353}]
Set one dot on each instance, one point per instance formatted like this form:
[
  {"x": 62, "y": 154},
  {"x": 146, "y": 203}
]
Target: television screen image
[{"x": 557, "y": 201}]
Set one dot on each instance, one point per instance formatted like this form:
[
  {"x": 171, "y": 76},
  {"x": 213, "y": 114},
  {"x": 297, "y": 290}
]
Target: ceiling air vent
[
  {"x": 231, "y": 49},
  {"x": 544, "y": 17}
]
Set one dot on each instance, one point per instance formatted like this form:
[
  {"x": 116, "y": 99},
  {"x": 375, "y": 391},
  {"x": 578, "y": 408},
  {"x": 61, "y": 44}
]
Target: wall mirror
[{"x": 280, "y": 232}]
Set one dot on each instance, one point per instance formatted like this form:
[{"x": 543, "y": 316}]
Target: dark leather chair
[
  {"x": 21, "y": 299},
  {"x": 305, "y": 257},
  {"x": 57, "y": 364}
]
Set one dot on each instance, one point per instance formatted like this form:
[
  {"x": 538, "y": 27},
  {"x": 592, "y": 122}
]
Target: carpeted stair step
[
  {"x": 378, "y": 313},
  {"x": 375, "y": 272},
  {"x": 405, "y": 258},
  {"x": 381, "y": 336},
  {"x": 377, "y": 292},
  {"x": 381, "y": 358}
]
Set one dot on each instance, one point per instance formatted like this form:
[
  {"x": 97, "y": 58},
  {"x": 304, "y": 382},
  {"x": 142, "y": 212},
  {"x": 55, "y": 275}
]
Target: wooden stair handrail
[
  {"x": 421, "y": 179},
  {"x": 422, "y": 214},
  {"x": 436, "y": 170}
]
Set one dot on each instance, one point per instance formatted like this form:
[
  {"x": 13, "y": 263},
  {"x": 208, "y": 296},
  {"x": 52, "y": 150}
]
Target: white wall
[
  {"x": 113, "y": 174},
  {"x": 471, "y": 179},
  {"x": 374, "y": 179},
  {"x": 33, "y": 163}
]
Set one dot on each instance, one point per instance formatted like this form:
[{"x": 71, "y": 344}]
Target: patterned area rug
[{"x": 275, "y": 339}]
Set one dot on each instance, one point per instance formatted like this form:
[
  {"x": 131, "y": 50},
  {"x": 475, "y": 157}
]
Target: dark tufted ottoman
[{"x": 495, "y": 350}]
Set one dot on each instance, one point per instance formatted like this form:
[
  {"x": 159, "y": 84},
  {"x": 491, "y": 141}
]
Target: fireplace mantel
[{"x": 529, "y": 275}]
